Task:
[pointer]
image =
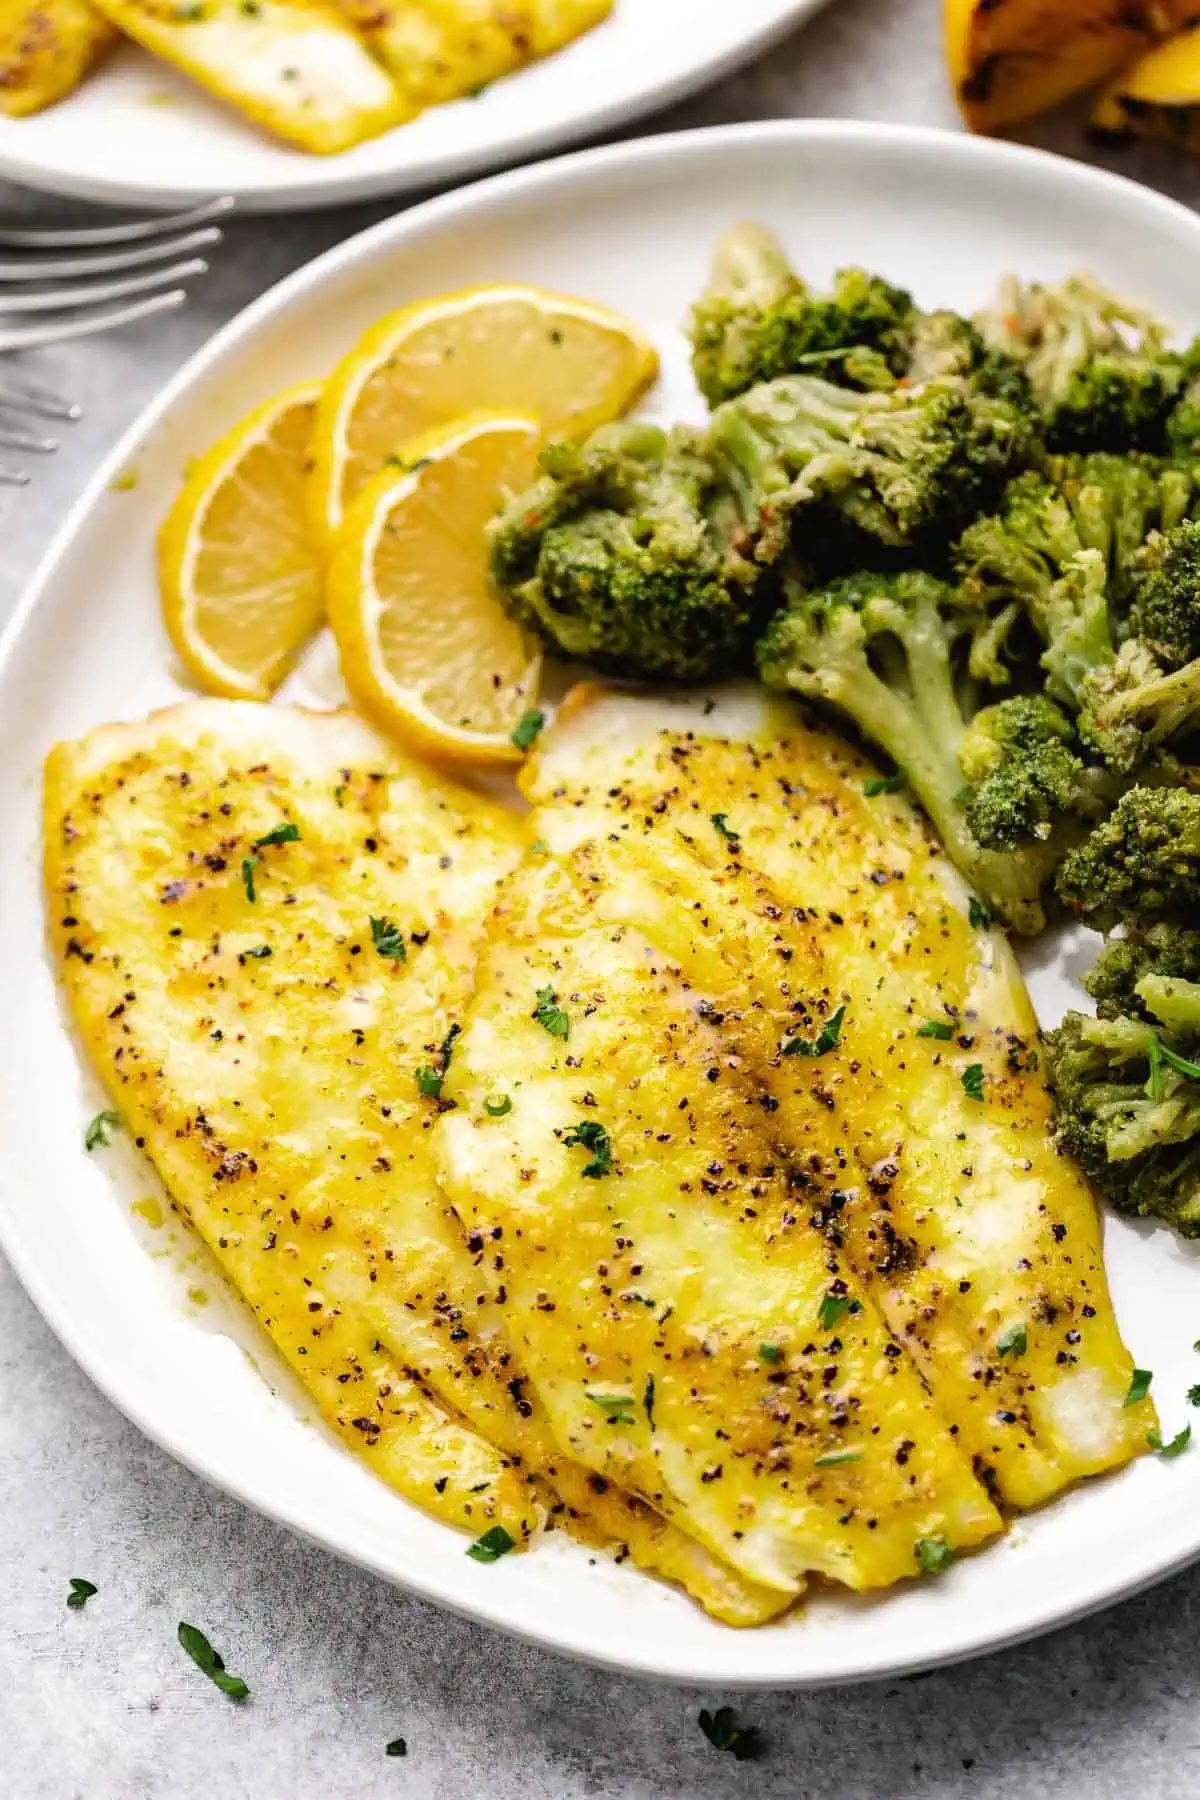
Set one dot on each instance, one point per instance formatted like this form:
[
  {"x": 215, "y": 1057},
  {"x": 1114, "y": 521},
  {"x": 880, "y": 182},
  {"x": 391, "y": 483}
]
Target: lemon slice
[
  {"x": 427, "y": 652},
  {"x": 569, "y": 363},
  {"x": 240, "y": 581}
]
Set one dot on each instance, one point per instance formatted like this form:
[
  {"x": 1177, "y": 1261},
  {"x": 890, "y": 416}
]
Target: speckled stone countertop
[{"x": 102, "y": 1705}]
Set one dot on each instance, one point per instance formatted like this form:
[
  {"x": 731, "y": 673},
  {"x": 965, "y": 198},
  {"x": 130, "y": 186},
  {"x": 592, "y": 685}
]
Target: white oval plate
[
  {"x": 138, "y": 133},
  {"x": 632, "y": 226}
]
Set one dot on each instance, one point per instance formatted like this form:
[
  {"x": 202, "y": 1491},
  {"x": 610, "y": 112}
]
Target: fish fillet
[
  {"x": 690, "y": 1332},
  {"x": 979, "y": 1244},
  {"x": 213, "y": 876},
  {"x": 47, "y": 47}
]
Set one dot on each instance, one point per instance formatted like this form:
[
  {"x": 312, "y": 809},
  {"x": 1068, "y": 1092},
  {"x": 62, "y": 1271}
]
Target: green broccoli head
[
  {"x": 1162, "y": 951},
  {"x": 1183, "y": 422},
  {"x": 625, "y": 554},
  {"x": 940, "y": 346},
  {"x": 1131, "y": 708},
  {"x": 881, "y": 650},
  {"x": 1098, "y": 365},
  {"x": 1140, "y": 864},
  {"x": 758, "y": 320},
  {"x": 1165, "y": 609},
  {"x": 1127, "y": 1106},
  {"x": 892, "y": 470},
  {"x": 1025, "y": 778}
]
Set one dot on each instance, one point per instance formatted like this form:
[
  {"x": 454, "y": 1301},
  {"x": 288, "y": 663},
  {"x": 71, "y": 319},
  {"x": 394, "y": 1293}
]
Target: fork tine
[
  {"x": 13, "y": 477},
  {"x": 66, "y": 267},
  {"x": 21, "y": 440},
  {"x": 38, "y": 401},
  {"x": 34, "y": 336},
  {"x": 96, "y": 235},
  {"x": 90, "y": 293}
]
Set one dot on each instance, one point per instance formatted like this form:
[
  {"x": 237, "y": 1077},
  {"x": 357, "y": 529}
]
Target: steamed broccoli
[
  {"x": 1183, "y": 421},
  {"x": 1098, "y": 365},
  {"x": 1127, "y": 1103},
  {"x": 1161, "y": 950},
  {"x": 880, "y": 648},
  {"x": 1165, "y": 607},
  {"x": 626, "y": 552},
  {"x": 1141, "y": 864},
  {"x": 890, "y": 471},
  {"x": 1094, "y": 550},
  {"x": 1025, "y": 776},
  {"x": 758, "y": 320}
]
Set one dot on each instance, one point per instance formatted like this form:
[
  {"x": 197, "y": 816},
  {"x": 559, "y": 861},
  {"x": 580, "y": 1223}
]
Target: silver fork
[{"x": 111, "y": 275}]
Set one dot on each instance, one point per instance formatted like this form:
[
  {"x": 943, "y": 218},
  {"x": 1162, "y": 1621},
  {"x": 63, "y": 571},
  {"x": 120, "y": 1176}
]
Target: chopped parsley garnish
[
  {"x": 979, "y": 916},
  {"x": 972, "y": 1080},
  {"x": 1176, "y": 1447},
  {"x": 258, "y": 951},
  {"x": 249, "y": 864},
  {"x": 1193, "y": 1396},
  {"x": 617, "y": 1408},
  {"x": 834, "y": 1307},
  {"x": 339, "y": 793},
  {"x": 282, "y": 834},
  {"x": 771, "y": 1353},
  {"x": 648, "y": 1401},
  {"x": 99, "y": 1133},
  {"x": 492, "y": 1545},
  {"x": 447, "y": 1052},
  {"x": 1159, "y": 1054},
  {"x": 743, "y": 1742},
  {"x": 388, "y": 939},
  {"x": 397, "y": 1747},
  {"x": 833, "y": 1459},
  {"x": 934, "y": 1554},
  {"x": 498, "y": 1109},
  {"x": 528, "y": 729},
  {"x": 884, "y": 784},
  {"x": 81, "y": 1592},
  {"x": 1013, "y": 1342},
  {"x": 550, "y": 1015},
  {"x": 826, "y": 1040},
  {"x": 211, "y": 1662},
  {"x": 936, "y": 1028},
  {"x": 1139, "y": 1386},
  {"x": 429, "y": 1082},
  {"x": 721, "y": 825},
  {"x": 592, "y": 1135}
]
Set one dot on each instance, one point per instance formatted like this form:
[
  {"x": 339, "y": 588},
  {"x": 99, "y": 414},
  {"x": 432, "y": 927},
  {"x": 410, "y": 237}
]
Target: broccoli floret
[
  {"x": 1183, "y": 423},
  {"x": 880, "y": 649},
  {"x": 897, "y": 470},
  {"x": 758, "y": 320},
  {"x": 1127, "y": 1105},
  {"x": 1165, "y": 609},
  {"x": 1025, "y": 778},
  {"x": 625, "y": 553},
  {"x": 1141, "y": 863},
  {"x": 944, "y": 346},
  {"x": 1074, "y": 548},
  {"x": 1098, "y": 365},
  {"x": 1162, "y": 950}
]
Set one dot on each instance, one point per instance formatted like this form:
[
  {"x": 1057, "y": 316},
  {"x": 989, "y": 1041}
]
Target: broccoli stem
[{"x": 749, "y": 267}]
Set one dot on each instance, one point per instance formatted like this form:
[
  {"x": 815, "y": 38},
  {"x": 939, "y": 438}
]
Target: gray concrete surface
[{"x": 101, "y": 1705}]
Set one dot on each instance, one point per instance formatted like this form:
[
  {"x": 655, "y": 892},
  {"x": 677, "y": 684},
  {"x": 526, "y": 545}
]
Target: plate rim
[
  {"x": 321, "y": 187},
  {"x": 1146, "y": 1568}
]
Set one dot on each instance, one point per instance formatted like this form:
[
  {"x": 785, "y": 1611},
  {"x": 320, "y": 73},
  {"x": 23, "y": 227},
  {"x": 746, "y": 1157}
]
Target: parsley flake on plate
[
  {"x": 528, "y": 729},
  {"x": 99, "y": 1134},
  {"x": 933, "y": 1554},
  {"x": 388, "y": 939},
  {"x": 1139, "y": 1386},
  {"x": 81, "y": 1592},
  {"x": 592, "y": 1135},
  {"x": 825, "y": 1041},
  {"x": 281, "y": 834},
  {"x": 492, "y": 1545},
  {"x": 835, "y": 1307},
  {"x": 884, "y": 784},
  {"x": 211, "y": 1662},
  {"x": 743, "y": 1742},
  {"x": 617, "y": 1408},
  {"x": 397, "y": 1747},
  {"x": 972, "y": 1080},
  {"x": 1014, "y": 1341},
  {"x": 1177, "y": 1445},
  {"x": 936, "y": 1028},
  {"x": 550, "y": 1015}
]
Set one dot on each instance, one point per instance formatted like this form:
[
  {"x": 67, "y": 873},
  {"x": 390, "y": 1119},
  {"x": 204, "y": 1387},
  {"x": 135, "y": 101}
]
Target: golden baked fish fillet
[
  {"x": 889, "y": 1029},
  {"x": 46, "y": 49},
  {"x": 438, "y": 50},
  {"x": 267, "y": 922},
  {"x": 689, "y": 1330},
  {"x": 293, "y": 67}
]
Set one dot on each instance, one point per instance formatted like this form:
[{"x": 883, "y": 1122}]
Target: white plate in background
[
  {"x": 139, "y": 133},
  {"x": 632, "y": 226}
]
